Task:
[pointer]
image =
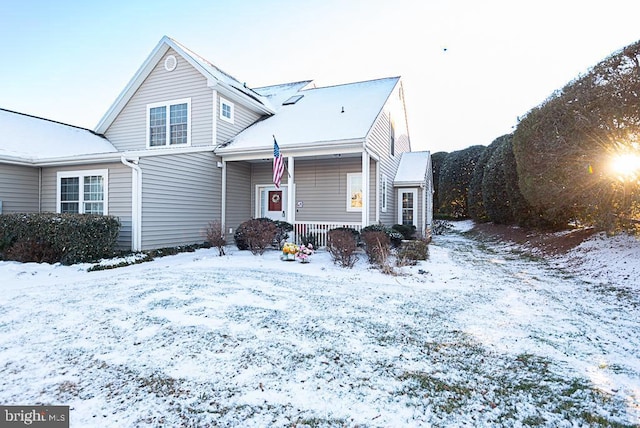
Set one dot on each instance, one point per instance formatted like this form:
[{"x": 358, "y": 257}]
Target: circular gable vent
[{"x": 170, "y": 63}]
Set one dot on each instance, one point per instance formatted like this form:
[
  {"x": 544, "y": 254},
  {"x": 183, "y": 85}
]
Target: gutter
[{"x": 136, "y": 202}]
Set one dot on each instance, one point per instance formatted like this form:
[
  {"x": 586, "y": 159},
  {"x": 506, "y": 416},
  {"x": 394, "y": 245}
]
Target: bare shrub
[
  {"x": 257, "y": 235},
  {"x": 214, "y": 234},
  {"x": 411, "y": 251},
  {"x": 377, "y": 245},
  {"x": 342, "y": 245}
]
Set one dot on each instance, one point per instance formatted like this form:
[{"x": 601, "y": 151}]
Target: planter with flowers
[
  {"x": 289, "y": 252},
  {"x": 304, "y": 253}
]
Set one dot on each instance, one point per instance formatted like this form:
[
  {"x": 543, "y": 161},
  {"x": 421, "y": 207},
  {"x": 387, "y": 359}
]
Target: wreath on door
[{"x": 275, "y": 198}]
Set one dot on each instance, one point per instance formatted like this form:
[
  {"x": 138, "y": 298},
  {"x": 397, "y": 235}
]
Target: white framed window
[
  {"x": 383, "y": 197},
  {"x": 354, "y": 191},
  {"x": 408, "y": 206},
  {"x": 82, "y": 192},
  {"x": 226, "y": 110},
  {"x": 169, "y": 123}
]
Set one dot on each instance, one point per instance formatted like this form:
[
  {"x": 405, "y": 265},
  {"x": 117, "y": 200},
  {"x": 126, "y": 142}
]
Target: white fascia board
[
  {"x": 116, "y": 156},
  {"x": 233, "y": 95},
  {"x": 318, "y": 149},
  {"x": 143, "y": 72},
  {"x": 11, "y": 160},
  {"x": 79, "y": 160},
  {"x": 166, "y": 151},
  {"x": 371, "y": 128},
  {"x": 409, "y": 183}
]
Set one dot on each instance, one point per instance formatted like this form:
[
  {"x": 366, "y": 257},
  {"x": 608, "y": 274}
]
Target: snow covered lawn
[{"x": 480, "y": 334}]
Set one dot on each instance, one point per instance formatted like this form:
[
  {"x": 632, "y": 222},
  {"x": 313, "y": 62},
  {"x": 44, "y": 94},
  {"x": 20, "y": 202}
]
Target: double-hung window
[
  {"x": 82, "y": 192},
  {"x": 169, "y": 123},
  {"x": 354, "y": 191}
]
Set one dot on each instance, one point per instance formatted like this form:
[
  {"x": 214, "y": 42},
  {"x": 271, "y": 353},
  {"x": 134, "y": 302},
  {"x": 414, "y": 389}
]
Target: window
[
  {"x": 226, "y": 110},
  {"x": 383, "y": 197},
  {"x": 407, "y": 208},
  {"x": 82, "y": 192},
  {"x": 169, "y": 123},
  {"x": 392, "y": 134},
  {"x": 354, "y": 192}
]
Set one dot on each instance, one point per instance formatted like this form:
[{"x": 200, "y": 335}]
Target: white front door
[
  {"x": 408, "y": 207},
  {"x": 272, "y": 202}
]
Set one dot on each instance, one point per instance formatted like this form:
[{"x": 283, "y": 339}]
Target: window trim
[
  {"x": 167, "y": 105},
  {"x": 350, "y": 177},
  {"x": 414, "y": 208},
  {"x": 232, "y": 109},
  {"x": 385, "y": 189},
  {"x": 81, "y": 174}
]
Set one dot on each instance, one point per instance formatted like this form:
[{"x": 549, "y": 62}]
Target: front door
[
  {"x": 408, "y": 207},
  {"x": 273, "y": 202}
]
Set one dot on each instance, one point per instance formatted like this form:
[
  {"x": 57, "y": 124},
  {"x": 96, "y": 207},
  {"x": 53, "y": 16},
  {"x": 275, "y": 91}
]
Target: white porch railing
[{"x": 318, "y": 230}]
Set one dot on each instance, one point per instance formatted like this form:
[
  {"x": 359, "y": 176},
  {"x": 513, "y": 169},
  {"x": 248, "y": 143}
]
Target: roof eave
[
  {"x": 78, "y": 160},
  {"x": 149, "y": 64},
  {"x": 145, "y": 69},
  {"x": 318, "y": 148}
]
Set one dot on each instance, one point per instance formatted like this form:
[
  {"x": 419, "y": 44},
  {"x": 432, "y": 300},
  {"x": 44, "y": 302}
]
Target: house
[{"x": 186, "y": 143}]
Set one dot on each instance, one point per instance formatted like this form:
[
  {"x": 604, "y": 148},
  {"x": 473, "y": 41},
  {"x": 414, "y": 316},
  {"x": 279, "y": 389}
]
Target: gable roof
[
  {"x": 29, "y": 139},
  {"x": 217, "y": 79},
  {"x": 278, "y": 94},
  {"x": 413, "y": 169},
  {"x": 329, "y": 114}
]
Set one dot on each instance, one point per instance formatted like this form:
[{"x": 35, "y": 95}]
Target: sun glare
[{"x": 626, "y": 165}]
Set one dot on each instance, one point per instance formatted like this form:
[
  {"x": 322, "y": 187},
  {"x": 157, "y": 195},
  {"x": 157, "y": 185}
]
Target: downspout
[
  {"x": 136, "y": 202},
  {"x": 223, "y": 196},
  {"x": 40, "y": 189}
]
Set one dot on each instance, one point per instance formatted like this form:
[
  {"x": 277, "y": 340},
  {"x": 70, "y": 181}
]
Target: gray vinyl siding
[
  {"x": 238, "y": 196},
  {"x": 321, "y": 185},
  {"x": 19, "y": 189},
  {"x": 379, "y": 140},
  {"x": 119, "y": 194},
  {"x": 180, "y": 196},
  {"x": 129, "y": 130},
  {"x": 243, "y": 118}
]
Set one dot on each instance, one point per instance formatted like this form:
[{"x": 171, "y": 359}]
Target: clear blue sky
[{"x": 470, "y": 68}]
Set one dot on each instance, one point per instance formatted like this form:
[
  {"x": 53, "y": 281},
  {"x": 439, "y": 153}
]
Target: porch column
[
  {"x": 291, "y": 199},
  {"x": 365, "y": 188}
]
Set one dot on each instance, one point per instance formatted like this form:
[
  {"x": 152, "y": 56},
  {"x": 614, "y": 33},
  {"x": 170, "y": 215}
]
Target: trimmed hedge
[{"x": 67, "y": 238}]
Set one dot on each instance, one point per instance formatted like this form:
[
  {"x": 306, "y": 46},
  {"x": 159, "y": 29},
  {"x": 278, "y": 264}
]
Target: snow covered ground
[{"x": 479, "y": 335}]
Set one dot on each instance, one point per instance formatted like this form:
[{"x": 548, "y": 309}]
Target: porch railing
[{"x": 318, "y": 230}]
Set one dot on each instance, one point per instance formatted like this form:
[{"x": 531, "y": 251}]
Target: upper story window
[
  {"x": 169, "y": 123},
  {"x": 226, "y": 110},
  {"x": 82, "y": 192}
]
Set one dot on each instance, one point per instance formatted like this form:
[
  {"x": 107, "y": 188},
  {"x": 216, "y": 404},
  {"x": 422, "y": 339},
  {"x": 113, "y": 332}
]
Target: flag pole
[{"x": 283, "y": 163}]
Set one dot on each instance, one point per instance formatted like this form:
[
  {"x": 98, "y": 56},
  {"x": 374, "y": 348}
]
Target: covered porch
[{"x": 319, "y": 191}]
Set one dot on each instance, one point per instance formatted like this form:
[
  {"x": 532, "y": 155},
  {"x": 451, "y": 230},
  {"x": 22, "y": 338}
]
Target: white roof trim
[{"x": 147, "y": 67}]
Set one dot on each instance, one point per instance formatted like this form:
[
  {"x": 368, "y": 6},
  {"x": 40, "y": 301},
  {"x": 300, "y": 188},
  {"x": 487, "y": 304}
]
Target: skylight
[{"x": 292, "y": 100}]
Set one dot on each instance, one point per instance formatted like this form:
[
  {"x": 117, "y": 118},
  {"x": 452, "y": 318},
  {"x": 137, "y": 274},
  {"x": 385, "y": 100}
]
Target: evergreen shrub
[{"x": 64, "y": 238}]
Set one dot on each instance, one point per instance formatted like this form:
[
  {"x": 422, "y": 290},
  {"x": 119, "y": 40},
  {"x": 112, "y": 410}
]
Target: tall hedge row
[
  {"x": 556, "y": 168},
  {"x": 64, "y": 238},
  {"x": 564, "y": 147}
]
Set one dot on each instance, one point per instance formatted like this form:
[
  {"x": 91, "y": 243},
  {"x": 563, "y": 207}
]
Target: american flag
[{"x": 278, "y": 164}]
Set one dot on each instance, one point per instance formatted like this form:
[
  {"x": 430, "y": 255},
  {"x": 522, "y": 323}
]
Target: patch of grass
[
  {"x": 318, "y": 422},
  {"x": 464, "y": 374}
]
